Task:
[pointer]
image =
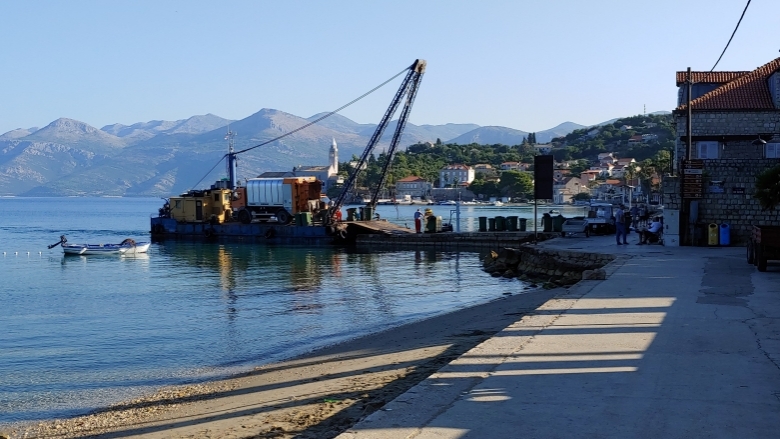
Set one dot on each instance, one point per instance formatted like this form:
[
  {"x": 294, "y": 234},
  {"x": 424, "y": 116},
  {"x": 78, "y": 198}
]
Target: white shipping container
[{"x": 269, "y": 192}]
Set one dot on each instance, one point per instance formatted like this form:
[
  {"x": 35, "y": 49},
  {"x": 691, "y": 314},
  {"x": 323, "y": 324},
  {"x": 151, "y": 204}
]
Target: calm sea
[{"x": 83, "y": 332}]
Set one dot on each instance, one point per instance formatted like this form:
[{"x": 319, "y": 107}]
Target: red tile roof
[
  {"x": 709, "y": 78},
  {"x": 411, "y": 178},
  {"x": 747, "y": 92}
]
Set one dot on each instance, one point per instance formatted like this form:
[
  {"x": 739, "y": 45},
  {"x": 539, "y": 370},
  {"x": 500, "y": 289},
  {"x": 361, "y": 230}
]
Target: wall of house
[
  {"x": 740, "y": 211},
  {"x": 724, "y": 123}
]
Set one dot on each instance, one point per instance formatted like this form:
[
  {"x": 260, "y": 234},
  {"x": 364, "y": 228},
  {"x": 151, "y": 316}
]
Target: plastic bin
[
  {"x": 523, "y": 222},
  {"x": 491, "y": 224},
  {"x": 351, "y": 213},
  {"x": 547, "y": 223},
  {"x": 557, "y": 223},
  {"x": 725, "y": 234},
  {"x": 511, "y": 223},
  {"x": 367, "y": 214},
  {"x": 303, "y": 219},
  {"x": 500, "y": 224},
  {"x": 482, "y": 224},
  {"x": 712, "y": 234}
]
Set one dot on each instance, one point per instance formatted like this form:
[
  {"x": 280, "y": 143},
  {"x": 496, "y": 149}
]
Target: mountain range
[{"x": 163, "y": 158}]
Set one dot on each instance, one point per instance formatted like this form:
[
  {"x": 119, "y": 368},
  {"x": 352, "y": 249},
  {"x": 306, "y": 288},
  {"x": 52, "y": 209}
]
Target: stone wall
[
  {"x": 740, "y": 211},
  {"x": 558, "y": 267}
]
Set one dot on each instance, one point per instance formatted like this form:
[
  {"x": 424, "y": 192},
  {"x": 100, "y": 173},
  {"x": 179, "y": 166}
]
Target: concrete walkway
[{"x": 678, "y": 342}]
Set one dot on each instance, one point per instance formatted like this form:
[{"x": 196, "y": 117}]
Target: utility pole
[{"x": 689, "y": 143}]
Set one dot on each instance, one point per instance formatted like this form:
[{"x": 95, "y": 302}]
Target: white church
[{"x": 328, "y": 175}]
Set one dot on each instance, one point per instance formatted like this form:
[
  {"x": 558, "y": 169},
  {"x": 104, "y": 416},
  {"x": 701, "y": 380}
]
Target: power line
[{"x": 729, "y": 42}]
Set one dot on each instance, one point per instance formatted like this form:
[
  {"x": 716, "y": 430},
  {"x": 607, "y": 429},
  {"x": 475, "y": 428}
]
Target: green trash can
[
  {"x": 547, "y": 223},
  {"x": 430, "y": 224},
  {"x": 500, "y": 224},
  {"x": 557, "y": 223},
  {"x": 483, "y": 224},
  {"x": 368, "y": 213},
  {"x": 303, "y": 219},
  {"x": 523, "y": 222},
  {"x": 351, "y": 213},
  {"x": 491, "y": 224},
  {"x": 511, "y": 223}
]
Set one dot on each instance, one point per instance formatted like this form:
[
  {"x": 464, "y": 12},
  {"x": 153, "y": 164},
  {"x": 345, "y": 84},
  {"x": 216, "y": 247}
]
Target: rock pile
[{"x": 552, "y": 267}]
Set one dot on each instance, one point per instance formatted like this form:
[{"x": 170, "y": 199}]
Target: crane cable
[
  {"x": 326, "y": 115},
  {"x": 307, "y": 125}
]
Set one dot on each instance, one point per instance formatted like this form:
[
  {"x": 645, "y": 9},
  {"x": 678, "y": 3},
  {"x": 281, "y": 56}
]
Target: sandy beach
[{"x": 318, "y": 395}]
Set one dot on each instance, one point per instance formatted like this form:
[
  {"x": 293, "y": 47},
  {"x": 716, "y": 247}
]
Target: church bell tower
[{"x": 334, "y": 159}]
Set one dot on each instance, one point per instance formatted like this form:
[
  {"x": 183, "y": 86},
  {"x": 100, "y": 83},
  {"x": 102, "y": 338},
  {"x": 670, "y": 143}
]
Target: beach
[{"x": 317, "y": 395}]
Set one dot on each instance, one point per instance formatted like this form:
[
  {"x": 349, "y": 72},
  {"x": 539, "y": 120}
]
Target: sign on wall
[{"x": 693, "y": 173}]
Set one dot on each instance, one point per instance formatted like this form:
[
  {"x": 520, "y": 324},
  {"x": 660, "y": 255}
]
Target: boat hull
[{"x": 105, "y": 249}]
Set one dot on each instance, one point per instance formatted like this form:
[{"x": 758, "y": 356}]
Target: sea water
[{"x": 81, "y": 332}]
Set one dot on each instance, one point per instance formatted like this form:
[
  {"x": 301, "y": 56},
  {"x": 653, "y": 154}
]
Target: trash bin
[
  {"x": 523, "y": 222},
  {"x": 303, "y": 219},
  {"x": 500, "y": 224},
  {"x": 725, "y": 234},
  {"x": 351, "y": 213},
  {"x": 547, "y": 224},
  {"x": 367, "y": 214},
  {"x": 511, "y": 223},
  {"x": 557, "y": 223},
  {"x": 712, "y": 234},
  {"x": 483, "y": 224},
  {"x": 491, "y": 224},
  {"x": 433, "y": 224}
]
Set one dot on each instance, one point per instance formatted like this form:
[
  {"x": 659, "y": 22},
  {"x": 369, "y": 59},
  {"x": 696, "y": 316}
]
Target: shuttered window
[
  {"x": 707, "y": 150},
  {"x": 772, "y": 151}
]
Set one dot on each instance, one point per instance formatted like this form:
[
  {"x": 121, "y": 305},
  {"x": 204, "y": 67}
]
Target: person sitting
[{"x": 652, "y": 233}]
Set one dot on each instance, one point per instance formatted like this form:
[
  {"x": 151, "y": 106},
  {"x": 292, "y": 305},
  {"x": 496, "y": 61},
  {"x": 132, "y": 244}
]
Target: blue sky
[{"x": 522, "y": 64}]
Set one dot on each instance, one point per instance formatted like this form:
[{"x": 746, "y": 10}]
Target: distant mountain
[
  {"x": 146, "y": 130},
  {"x": 491, "y": 136},
  {"x": 18, "y": 133},
  {"x": 74, "y": 133},
  {"x": 161, "y": 158}
]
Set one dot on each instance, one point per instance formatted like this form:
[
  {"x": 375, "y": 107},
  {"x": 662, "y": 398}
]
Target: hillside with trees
[{"x": 576, "y": 151}]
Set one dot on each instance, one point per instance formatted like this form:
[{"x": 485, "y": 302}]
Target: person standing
[
  {"x": 620, "y": 225},
  {"x": 634, "y": 216},
  {"x": 418, "y": 221}
]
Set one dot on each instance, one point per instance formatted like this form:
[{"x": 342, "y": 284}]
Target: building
[
  {"x": 412, "y": 186},
  {"x": 543, "y": 148},
  {"x": 735, "y": 135},
  {"x": 566, "y": 188},
  {"x": 328, "y": 175},
  {"x": 485, "y": 169},
  {"x": 514, "y": 166},
  {"x": 455, "y": 175},
  {"x": 591, "y": 175}
]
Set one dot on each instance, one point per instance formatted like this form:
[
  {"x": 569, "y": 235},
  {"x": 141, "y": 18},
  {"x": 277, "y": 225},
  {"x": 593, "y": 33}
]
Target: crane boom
[{"x": 408, "y": 88}]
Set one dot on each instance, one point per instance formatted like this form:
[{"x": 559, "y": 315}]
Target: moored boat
[{"x": 126, "y": 247}]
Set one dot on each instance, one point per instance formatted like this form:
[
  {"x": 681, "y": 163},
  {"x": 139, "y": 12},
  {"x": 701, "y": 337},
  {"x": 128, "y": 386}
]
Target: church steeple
[{"x": 334, "y": 158}]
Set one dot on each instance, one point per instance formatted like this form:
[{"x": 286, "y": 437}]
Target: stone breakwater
[{"x": 553, "y": 267}]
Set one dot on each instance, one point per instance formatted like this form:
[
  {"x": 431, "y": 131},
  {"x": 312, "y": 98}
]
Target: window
[
  {"x": 772, "y": 151},
  {"x": 707, "y": 150}
]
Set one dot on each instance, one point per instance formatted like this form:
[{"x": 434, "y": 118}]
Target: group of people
[{"x": 627, "y": 218}]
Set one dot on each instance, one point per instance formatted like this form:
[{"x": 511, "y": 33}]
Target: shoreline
[{"x": 319, "y": 394}]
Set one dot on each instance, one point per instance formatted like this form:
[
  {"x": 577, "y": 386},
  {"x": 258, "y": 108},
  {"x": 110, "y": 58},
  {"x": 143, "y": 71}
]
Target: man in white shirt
[{"x": 652, "y": 232}]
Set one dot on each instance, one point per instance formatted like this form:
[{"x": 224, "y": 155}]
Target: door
[{"x": 198, "y": 210}]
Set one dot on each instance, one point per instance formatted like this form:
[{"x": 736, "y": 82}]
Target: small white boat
[{"x": 126, "y": 247}]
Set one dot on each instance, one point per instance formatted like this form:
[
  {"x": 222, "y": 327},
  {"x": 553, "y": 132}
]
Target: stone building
[
  {"x": 455, "y": 175},
  {"x": 735, "y": 132},
  {"x": 413, "y": 186}
]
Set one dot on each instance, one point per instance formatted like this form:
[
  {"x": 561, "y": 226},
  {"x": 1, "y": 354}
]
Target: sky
[{"x": 523, "y": 64}]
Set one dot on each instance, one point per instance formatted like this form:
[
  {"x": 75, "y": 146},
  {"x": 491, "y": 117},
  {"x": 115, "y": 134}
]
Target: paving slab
[{"x": 675, "y": 343}]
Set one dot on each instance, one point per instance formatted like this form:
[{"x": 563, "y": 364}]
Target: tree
[
  {"x": 768, "y": 188},
  {"x": 515, "y": 184}
]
